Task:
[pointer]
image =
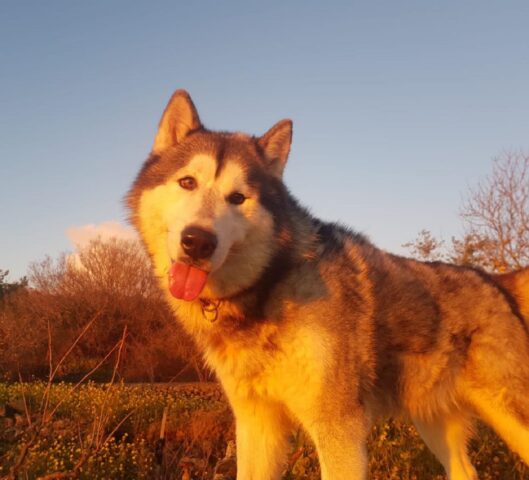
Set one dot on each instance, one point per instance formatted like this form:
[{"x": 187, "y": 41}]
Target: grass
[{"x": 112, "y": 432}]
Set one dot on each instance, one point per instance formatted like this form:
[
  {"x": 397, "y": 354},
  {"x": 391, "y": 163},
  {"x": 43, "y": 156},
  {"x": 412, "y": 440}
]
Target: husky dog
[{"x": 307, "y": 322}]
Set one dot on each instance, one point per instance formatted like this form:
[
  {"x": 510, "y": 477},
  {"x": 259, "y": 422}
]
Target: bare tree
[
  {"x": 496, "y": 214},
  {"x": 495, "y": 219}
]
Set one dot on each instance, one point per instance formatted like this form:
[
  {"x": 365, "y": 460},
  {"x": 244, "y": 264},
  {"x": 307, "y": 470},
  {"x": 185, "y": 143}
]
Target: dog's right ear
[{"x": 179, "y": 118}]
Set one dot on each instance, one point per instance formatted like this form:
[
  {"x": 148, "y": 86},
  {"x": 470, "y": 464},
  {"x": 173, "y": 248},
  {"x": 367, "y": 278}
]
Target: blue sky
[{"x": 398, "y": 106}]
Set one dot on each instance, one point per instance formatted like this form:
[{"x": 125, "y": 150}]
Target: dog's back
[{"x": 517, "y": 284}]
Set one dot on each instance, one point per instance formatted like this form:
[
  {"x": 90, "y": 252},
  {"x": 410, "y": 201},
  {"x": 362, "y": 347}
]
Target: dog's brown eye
[
  {"x": 236, "y": 198},
  {"x": 188, "y": 183}
]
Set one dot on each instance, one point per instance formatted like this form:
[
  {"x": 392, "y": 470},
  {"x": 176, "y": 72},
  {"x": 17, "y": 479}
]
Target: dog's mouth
[{"x": 186, "y": 281}]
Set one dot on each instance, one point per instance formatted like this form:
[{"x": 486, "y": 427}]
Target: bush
[{"x": 110, "y": 286}]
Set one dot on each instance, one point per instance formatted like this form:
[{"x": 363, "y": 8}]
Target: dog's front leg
[
  {"x": 341, "y": 446},
  {"x": 261, "y": 428}
]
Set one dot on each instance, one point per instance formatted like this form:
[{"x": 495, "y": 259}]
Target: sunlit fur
[{"x": 315, "y": 325}]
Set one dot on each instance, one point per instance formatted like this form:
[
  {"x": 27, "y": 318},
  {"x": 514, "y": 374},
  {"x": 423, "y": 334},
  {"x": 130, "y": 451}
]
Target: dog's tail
[{"x": 517, "y": 284}]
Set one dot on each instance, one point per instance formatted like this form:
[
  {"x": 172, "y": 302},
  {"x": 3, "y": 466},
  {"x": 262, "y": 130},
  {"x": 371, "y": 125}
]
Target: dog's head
[{"x": 208, "y": 204}]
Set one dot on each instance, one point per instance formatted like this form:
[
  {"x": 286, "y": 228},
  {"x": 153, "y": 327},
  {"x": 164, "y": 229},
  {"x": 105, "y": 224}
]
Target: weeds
[{"x": 198, "y": 430}]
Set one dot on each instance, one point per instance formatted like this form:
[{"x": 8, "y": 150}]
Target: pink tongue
[{"x": 185, "y": 281}]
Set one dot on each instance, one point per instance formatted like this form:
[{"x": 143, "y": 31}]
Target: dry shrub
[{"x": 111, "y": 280}]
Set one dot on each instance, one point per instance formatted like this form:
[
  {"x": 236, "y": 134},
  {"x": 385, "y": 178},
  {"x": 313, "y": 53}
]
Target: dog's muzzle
[{"x": 197, "y": 243}]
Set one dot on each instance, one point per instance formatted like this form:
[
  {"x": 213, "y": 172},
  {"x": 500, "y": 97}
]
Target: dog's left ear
[{"x": 276, "y": 145}]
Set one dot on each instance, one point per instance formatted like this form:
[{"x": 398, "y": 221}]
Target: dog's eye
[
  {"x": 188, "y": 183},
  {"x": 236, "y": 198}
]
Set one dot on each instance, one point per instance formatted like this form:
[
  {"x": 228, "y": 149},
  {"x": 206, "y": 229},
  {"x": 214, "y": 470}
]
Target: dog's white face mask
[{"x": 204, "y": 224}]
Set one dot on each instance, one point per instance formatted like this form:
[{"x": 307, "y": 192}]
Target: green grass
[{"x": 115, "y": 430}]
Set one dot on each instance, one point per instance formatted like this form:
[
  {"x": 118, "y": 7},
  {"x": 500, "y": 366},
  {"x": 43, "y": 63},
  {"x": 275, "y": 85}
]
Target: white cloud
[{"x": 80, "y": 236}]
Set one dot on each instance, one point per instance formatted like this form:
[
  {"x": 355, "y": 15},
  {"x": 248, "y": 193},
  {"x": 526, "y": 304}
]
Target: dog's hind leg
[
  {"x": 446, "y": 437},
  {"x": 495, "y": 381},
  {"x": 510, "y": 419}
]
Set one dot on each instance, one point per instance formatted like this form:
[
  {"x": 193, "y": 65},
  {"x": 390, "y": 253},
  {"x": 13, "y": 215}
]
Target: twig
[
  {"x": 26, "y": 409},
  {"x": 53, "y": 372},
  {"x": 22, "y": 457},
  {"x": 121, "y": 344},
  {"x": 99, "y": 425},
  {"x": 85, "y": 377}
]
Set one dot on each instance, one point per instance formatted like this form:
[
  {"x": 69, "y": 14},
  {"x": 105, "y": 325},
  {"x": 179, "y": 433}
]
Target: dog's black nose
[{"x": 198, "y": 243}]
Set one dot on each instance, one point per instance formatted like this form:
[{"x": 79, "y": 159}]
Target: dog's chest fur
[{"x": 270, "y": 359}]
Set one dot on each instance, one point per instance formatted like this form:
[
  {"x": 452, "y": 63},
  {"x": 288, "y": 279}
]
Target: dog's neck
[
  {"x": 300, "y": 244},
  {"x": 249, "y": 305},
  {"x": 213, "y": 316}
]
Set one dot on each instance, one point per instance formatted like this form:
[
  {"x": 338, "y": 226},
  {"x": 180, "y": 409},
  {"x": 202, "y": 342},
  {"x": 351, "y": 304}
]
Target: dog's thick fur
[{"x": 306, "y": 321}]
